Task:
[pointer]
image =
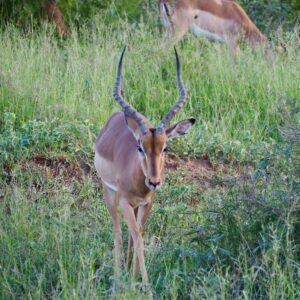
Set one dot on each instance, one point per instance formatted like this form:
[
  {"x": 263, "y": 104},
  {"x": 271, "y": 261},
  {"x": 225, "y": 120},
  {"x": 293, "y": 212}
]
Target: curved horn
[
  {"x": 179, "y": 104},
  {"x": 128, "y": 109}
]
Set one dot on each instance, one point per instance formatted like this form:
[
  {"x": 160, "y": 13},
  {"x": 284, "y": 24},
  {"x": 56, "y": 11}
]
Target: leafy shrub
[
  {"x": 268, "y": 15},
  {"x": 19, "y": 142}
]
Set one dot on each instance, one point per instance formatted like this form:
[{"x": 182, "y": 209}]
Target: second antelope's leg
[
  {"x": 110, "y": 198},
  {"x": 130, "y": 245},
  {"x": 138, "y": 242},
  {"x": 142, "y": 216},
  {"x": 233, "y": 46}
]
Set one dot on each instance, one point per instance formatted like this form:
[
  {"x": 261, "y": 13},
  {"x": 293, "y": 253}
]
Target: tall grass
[
  {"x": 42, "y": 77},
  {"x": 239, "y": 239}
]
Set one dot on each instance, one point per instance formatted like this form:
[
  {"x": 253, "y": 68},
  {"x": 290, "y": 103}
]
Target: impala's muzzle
[{"x": 153, "y": 183}]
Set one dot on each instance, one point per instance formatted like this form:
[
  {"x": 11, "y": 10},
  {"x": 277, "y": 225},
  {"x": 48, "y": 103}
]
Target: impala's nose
[{"x": 154, "y": 184}]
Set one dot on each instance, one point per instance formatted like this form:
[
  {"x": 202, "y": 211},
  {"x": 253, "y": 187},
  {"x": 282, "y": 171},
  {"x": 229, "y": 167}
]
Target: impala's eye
[
  {"x": 165, "y": 149},
  {"x": 140, "y": 149}
]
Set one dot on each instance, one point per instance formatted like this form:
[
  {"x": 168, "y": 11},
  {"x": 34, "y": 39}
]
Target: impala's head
[{"x": 151, "y": 143}]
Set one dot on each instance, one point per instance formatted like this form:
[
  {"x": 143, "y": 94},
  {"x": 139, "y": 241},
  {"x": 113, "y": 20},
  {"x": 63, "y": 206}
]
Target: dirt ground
[{"x": 200, "y": 171}]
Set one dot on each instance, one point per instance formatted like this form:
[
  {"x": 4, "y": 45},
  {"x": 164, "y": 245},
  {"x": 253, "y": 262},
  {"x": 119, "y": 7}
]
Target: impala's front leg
[
  {"x": 138, "y": 242},
  {"x": 130, "y": 245},
  {"x": 110, "y": 199},
  {"x": 142, "y": 216}
]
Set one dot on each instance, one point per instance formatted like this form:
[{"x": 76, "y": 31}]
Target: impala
[
  {"x": 129, "y": 159},
  {"x": 219, "y": 20}
]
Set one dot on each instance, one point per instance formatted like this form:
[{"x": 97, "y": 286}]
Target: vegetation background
[
  {"x": 268, "y": 15},
  {"x": 226, "y": 223}
]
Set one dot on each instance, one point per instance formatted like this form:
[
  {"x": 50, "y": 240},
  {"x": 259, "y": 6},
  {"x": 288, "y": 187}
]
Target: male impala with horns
[
  {"x": 219, "y": 20},
  {"x": 129, "y": 159}
]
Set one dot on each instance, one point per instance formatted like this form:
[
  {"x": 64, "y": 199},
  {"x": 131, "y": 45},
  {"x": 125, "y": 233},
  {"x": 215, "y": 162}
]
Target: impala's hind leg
[
  {"x": 233, "y": 46},
  {"x": 111, "y": 200}
]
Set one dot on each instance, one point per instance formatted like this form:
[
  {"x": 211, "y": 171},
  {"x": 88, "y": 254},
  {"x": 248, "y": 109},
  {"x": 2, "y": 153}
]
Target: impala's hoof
[{"x": 148, "y": 291}]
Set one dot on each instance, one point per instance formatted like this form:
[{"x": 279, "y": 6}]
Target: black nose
[{"x": 154, "y": 184}]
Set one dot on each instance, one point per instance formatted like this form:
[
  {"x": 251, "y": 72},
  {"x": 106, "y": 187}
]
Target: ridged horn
[
  {"x": 179, "y": 104},
  {"x": 128, "y": 109}
]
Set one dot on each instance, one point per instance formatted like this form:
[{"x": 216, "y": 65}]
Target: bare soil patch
[
  {"x": 199, "y": 171},
  {"x": 61, "y": 167},
  {"x": 202, "y": 172}
]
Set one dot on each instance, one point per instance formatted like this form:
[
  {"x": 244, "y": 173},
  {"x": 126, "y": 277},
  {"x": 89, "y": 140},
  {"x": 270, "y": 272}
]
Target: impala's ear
[
  {"x": 133, "y": 127},
  {"x": 180, "y": 128}
]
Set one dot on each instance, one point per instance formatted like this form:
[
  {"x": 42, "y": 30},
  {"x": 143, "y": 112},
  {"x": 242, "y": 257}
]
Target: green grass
[
  {"x": 45, "y": 78},
  {"x": 216, "y": 236}
]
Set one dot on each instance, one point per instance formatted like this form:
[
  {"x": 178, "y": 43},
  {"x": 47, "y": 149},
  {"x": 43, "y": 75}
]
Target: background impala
[{"x": 219, "y": 20}]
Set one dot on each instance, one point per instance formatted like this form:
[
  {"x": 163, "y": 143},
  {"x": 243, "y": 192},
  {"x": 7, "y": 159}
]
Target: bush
[{"x": 268, "y": 15}]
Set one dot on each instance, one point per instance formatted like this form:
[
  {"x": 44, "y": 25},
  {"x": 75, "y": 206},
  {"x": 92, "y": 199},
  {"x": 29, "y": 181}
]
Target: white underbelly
[
  {"x": 105, "y": 172},
  {"x": 211, "y": 36}
]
